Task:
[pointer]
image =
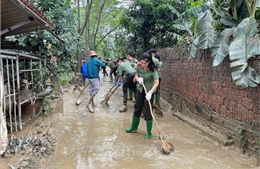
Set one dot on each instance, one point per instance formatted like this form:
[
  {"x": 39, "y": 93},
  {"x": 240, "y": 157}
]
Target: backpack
[{"x": 85, "y": 69}]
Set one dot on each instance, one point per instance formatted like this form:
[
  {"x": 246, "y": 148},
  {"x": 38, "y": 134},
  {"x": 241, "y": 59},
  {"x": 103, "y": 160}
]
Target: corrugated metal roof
[{"x": 21, "y": 16}]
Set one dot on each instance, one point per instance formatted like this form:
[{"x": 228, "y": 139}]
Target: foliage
[
  {"x": 244, "y": 142},
  {"x": 229, "y": 28},
  {"x": 150, "y": 23},
  {"x": 99, "y": 27},
  {"x": 63, "y": 17},
  {"x": 46, "y": 106},
  {"x": 65, "y": 78}
]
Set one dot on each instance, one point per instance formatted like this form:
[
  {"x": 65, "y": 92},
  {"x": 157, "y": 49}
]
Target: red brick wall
[{"x": 208, "y": 93}]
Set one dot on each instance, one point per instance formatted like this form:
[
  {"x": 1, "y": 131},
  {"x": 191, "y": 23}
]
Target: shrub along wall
[{"x": 207, "y": 93}]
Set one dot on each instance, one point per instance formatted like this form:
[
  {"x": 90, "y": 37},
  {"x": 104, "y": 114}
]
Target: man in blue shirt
[{"x": 94, "y": 65}]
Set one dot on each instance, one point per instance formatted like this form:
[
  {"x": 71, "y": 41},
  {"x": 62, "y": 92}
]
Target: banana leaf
[
  {"x": 221, "y": 46},
  {"x": 195, "y": 11},
  {"x": 246, "y": 45},
  {"x": 193, "y": 48},
  {"x": 246, "y": 78},
  {"x": 206, "y": 31}
]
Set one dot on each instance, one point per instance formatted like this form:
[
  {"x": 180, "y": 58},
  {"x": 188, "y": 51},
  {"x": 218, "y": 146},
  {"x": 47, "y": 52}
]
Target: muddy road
[{"x": 99, "y": 140}]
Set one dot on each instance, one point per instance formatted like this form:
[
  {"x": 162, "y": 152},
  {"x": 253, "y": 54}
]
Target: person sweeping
[
  {"x": 146, "y": 74},
  {"x": 158, "y": 63},
  {"x": 94, "y": 65},
  {"x": 126, "y": 71}
]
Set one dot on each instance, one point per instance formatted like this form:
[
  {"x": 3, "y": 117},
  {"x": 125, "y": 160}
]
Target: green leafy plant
[
  {"x": 152, "y": 23},
  {"x": 240, "y": 130},
  {"x": 46, "y": 106},
  {"x": 229, "y": 28},
  {"x": 65, "y": 78}
]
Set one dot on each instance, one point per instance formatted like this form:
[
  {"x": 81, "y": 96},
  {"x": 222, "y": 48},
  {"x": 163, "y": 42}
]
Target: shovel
[{"x": 78, "y": 100}]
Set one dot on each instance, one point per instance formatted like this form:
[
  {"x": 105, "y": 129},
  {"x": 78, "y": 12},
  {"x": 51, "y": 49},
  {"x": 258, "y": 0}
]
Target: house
[{"x": 18, "y": 17}]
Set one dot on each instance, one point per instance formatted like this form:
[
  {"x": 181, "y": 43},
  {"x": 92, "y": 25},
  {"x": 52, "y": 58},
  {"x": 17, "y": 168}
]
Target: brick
[
  {"x": 229, "y": 114},
  {"x": 213, "y": 86}
]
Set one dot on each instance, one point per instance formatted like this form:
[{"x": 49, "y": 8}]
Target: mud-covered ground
[{"x": 84, "y": 140}]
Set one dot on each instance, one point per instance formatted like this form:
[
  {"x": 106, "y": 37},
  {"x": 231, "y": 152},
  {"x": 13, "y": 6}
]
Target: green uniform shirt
[
  {"x": 125, "y": 68},
  {"x": 158, "y": 64},
  {"x": 133, "y": 62},
  {"x": 149, "y": 78},
  {"x": 159, "y": 72},
  {"x": 111, "y": 64}
]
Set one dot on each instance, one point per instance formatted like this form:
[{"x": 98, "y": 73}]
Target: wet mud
[{"x": 98, "y": 140}]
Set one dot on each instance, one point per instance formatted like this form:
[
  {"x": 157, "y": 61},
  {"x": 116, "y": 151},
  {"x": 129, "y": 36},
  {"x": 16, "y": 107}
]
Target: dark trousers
[
  {"x": 104, "y": 71},
  {"x": 158, "y": 88},
  {"x": 128, "y": 83},
  {"x": 113, "y": 71},
  {"x": 142, "y": 105}
]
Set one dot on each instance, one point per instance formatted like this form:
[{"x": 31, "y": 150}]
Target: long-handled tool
[
  {"x": 78, "y": 101},
  {"x": 109, "y": 91},
  {"x": 166, "y": 147},
  {"x": 109, "y": 94}
]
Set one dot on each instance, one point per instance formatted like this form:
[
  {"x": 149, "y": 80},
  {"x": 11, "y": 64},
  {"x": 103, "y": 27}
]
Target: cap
[{"x": 92, "y": 53}]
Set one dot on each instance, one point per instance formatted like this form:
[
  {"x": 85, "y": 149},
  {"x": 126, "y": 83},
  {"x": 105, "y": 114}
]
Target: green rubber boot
[
  {"x": 149, "y": 125},
  {"x": 135, "y": 124},
  {"x": 130, "y": 92}
]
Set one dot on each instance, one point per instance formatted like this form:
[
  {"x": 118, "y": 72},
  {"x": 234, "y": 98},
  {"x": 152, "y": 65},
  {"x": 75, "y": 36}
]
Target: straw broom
[{"x": 166, "y": 147}]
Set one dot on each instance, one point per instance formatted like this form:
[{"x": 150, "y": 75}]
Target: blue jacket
[{"x": 93, "y": 67}]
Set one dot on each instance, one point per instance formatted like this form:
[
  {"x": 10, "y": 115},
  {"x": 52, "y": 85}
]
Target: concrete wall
[{"x": 207, "y": 93}]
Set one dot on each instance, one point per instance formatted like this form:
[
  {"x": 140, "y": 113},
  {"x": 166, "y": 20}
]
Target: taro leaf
[
  {"x": 193, "y": 49},
  {"x": 221, "y": 46},
  {"x": 244, "y": 46},
  {"x": 206, "y": 31},
  {"x": 246, "y": 78}
]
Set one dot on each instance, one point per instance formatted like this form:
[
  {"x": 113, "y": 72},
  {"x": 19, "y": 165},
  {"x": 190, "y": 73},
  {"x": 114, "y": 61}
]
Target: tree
[
  {"x": 100, "y": 20},
  {"x": 149, "y": 21},
  {"x": 62, "y": 15}
]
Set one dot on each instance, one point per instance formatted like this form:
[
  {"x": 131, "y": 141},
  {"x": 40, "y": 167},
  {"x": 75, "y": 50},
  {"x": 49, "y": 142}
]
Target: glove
[
  {"x": 140, "y": 80},
  {"x": 116, "y": 83},
  {"x": 148, "y": 96}
]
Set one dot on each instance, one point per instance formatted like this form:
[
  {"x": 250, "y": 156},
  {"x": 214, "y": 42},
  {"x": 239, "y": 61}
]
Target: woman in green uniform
[{"x": 145, "y": 73}]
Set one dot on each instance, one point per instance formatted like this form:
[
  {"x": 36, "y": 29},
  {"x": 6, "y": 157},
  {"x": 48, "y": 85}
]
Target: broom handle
[
  {"x": 151, "y": 110},
  {"x": 112, "y": 92},
  {"x": 83, "y": 90},
  {"x": 114, "y": 89}
]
